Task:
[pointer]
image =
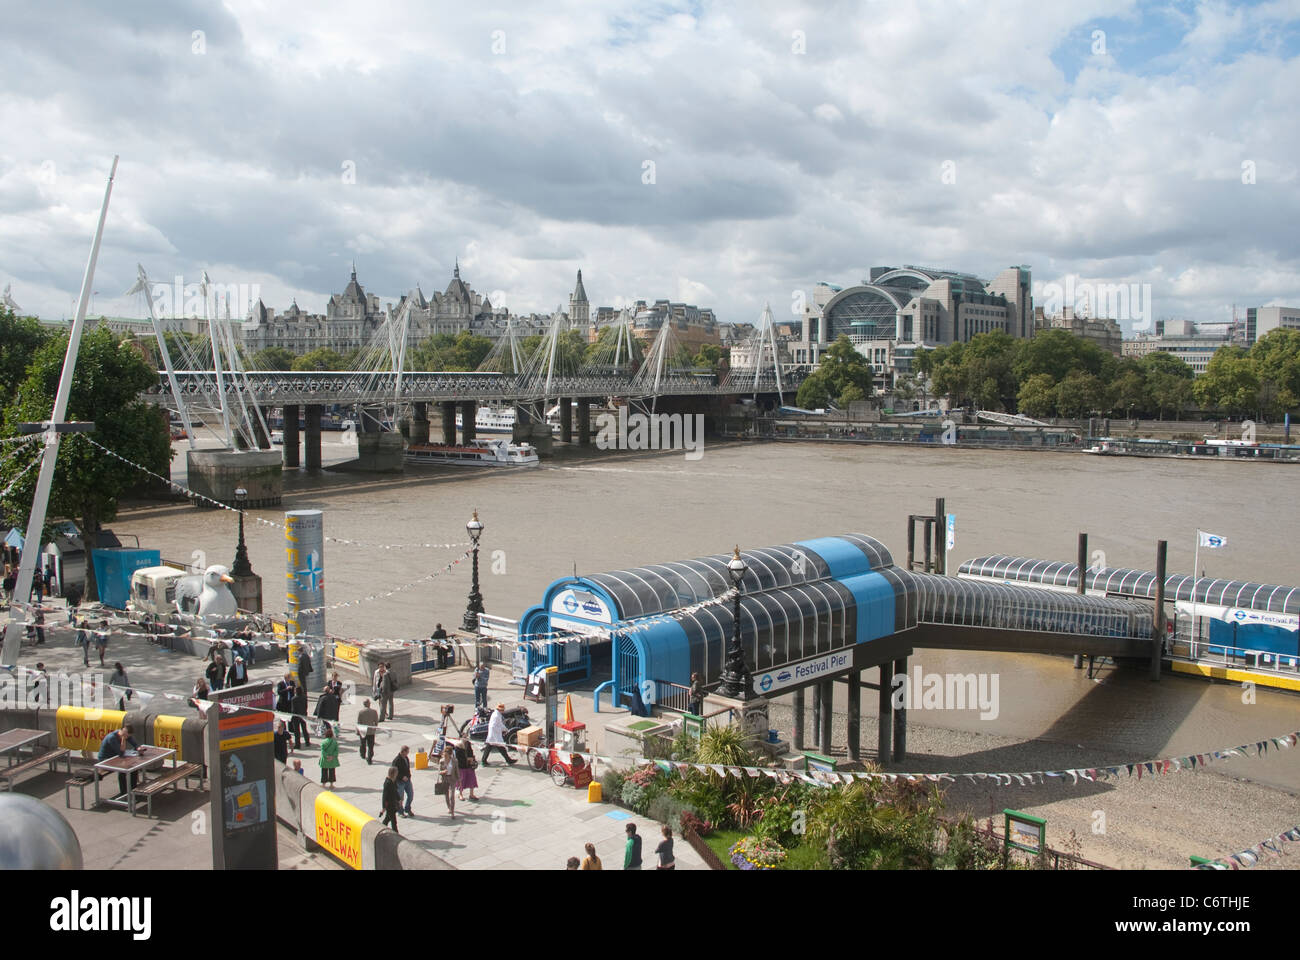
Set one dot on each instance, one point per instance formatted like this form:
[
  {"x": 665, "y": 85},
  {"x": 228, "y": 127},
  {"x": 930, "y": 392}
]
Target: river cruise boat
[
  {"x": 488, "y": 452},
  {"x": 1195, "y": 449}
]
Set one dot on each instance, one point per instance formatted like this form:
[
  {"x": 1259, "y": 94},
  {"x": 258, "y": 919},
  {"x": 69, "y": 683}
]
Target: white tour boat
[
  {"x": 488, "y": 452},
  {"x": 487, "y": 420}
]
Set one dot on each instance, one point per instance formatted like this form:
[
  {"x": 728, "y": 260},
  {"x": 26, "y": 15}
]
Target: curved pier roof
[{"x": 1244, "y": 594}]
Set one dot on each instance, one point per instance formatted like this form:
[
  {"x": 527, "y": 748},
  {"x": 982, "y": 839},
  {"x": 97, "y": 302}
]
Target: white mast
[
  {"x": 41, "y": 500},
  {"x": 216, "y": 362},
  {"x": 142, "y": 286}
]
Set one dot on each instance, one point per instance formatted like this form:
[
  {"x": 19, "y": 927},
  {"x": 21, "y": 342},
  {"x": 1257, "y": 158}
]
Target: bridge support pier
[
  {"x": 900, "y": 715},
  {"x": 796, "y": 736},
  {"x": 419, "y": 430},
  {"x": 312, "y": 415},
  {"x": 828, "y": 728},
  {"x": 291, "y": 441},
  {"x": 854, "y": 733},
  {"x": 468, "y": 413},
  {"x": 885, "y": 710},
  {"x": 448, "y": 421},
  {"x": 259, "y": 430},
  {"x": 566, "y": 420},
  {"x": 584, "y": 423}
]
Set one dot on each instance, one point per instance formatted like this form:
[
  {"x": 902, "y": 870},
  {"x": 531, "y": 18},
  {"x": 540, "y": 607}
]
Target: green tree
[
  {"x": 815, "y": 392},
  {"x": 20, "y": 339},
  {"x": 1038, "y": 396},
  {"x": 570, "y": 352},
  {"x": 272, "y": 358},
  {"x": 1080, "y": 394},
  {"x": 843, "y": 367},
  {"x": 1276, "y": 356},
  {"x": 1129, "y": 393},
  {"x": 1230, "y": 381},
  {"x": 709, "y": 357},
  {"x": 1058, "y": 353},
  {"x": 107, "y": 385},
  {"x": 603, "y": 349},
  {"x": 322, "y": 358}
]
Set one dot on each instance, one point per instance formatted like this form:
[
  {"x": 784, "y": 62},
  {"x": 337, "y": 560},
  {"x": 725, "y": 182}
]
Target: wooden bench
[
  {"x": 50, "y": 757},
  {"x": 83, "y": 778},
  {"x": 169, "y": 780}
]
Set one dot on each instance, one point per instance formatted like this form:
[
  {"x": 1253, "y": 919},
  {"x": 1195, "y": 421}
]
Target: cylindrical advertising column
[{"x": 304, "y": 535}]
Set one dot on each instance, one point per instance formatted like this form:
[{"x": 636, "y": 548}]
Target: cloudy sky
[{"x": 725, "y": 154}]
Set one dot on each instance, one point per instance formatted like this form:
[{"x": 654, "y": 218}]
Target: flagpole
[{"x": 1196, "y": 579}]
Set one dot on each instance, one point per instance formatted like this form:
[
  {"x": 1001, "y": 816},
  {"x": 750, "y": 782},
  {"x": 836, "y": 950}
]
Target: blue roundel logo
[
  {"x": 570, "y": 604},
  {"x": 1240, "y": 614},
  {"x": 766, "y": 682}
]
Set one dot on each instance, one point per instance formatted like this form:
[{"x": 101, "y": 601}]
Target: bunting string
[
  {"x": 180, "y": 488},
  {"x": 1274, "y": 847}
]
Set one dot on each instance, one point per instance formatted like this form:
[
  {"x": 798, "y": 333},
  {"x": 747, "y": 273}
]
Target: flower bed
[{"x": 753, "y": 853}]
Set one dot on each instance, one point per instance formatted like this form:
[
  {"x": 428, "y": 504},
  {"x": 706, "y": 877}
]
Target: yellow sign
[
  {"x": 251, "y": 740},
  {"x": 293, "y": 653},
  {"x": 338, "y": 828},
  {"x": 347, "y": 653},
  {"x": 167, "y": 733},
  {"x": 80, "y": 728}
]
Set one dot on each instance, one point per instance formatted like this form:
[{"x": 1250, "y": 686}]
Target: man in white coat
[{"x": 496, "y": 736}]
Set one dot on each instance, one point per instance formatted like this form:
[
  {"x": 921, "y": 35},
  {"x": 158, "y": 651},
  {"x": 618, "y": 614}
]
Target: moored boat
[{"x": 488, "y": 452}]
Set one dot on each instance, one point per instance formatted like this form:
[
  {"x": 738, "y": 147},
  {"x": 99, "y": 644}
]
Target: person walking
[
  {"x": 466, "y": 761},
  {"x": 41, "y": 687},
  {"x": 632, "y": 849},
  {"x": 390, "y": 800},
  {"x": 304, "y": 665},
  {"x": 496, "y": 736},
  {"x": 590, "y": 861},
  {"x": 282, "y": 738},
  {"x": 101, "y": 640},
  {"x": 327, "y": 706},
  {"x": 571, "y": 864},
  {"x": 39, "y": 622},
  {"x": 697, "y": 694},
  {"x": 367, "y": 724},
  {"x": 387, "y": 684},
  {"x": 665, "y": 850},
  {"x": 238, "y": 674},
  {"x": 83, "y": 641},
  {"x": 11, "y": 578},
  {"x": 404, "y": 786},
  {"x": 201, "y": 690},
  {"x": 450, "y": 779},
  {"x": 447, "y": 722},
  {"x": 335, "y": 686},
  {"x": 299, "y": 722},
  {"x": 119, "y": 680},
  {"x": 329, "y": 758},
  {"x": 481, "y": 675},
  {"x": 216, "y": 672}
]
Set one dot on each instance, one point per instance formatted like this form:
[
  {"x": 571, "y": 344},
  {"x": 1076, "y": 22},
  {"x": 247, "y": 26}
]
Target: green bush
[
  {"x": 635, "y": 797},
  {"x": 701, "y": 795},
  {"x": 806, "y": 856},
  {"x": 611, "y": 785},
  {"x": 668, "y": 809}
]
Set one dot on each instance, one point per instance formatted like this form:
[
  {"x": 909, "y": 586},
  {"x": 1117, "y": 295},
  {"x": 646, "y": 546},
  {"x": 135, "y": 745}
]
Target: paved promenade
[{"x": 522, "y": 821}]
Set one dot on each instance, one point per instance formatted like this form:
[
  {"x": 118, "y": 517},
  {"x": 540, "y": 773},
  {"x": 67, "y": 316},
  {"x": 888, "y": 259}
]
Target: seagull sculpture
[{"x": 207, "y": 595}]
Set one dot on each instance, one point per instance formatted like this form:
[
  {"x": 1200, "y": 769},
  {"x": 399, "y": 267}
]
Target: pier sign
[{"x": 804, "y": 671}]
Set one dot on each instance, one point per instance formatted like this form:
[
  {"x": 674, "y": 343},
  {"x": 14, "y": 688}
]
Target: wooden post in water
[
  {"x": 1158, "y": 633},
  {"x": 1083, "y": 565},
  {"x": 911, "y": 541}
]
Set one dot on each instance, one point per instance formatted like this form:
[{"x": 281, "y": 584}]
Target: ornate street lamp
[
  {"x": 241, "y": 568},
  {"x": 736, "y": 680},
  {"x": 470, "y": 623}
]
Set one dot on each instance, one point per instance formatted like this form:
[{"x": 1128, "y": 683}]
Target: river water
[{"x": 604, "y": 511}]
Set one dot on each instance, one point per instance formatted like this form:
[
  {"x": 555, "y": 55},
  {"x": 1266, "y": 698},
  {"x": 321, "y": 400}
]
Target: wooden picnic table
[
  {"x": 12, "y": 741},
  {"x": 146, "y": 756}
]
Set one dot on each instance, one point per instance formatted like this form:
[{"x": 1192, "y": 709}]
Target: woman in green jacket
[{"x": 329, "y": 757}]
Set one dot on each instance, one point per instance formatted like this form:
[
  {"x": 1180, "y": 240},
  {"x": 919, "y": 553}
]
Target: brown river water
[{"x": 604, "y": 511}]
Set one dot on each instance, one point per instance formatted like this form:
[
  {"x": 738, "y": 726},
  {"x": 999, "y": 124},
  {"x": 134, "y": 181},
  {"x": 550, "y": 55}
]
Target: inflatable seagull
[{"x": 207, "y": 595}]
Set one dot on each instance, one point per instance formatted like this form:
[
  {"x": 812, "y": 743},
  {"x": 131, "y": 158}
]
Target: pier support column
[
  {"x": 827, "y": 728},
  {"x": 1158, "y": 624},
  {"x": 900, "y": 713},
  {"x": 260, "y": 433},
  {"x": 291, "y": 441},
  {"x": 817, "y": 713},
  {"x": 468, "y": 413},
  {"x": 313, "y": 415},
  {"x": 566, "y": 420},
  {"x": 419, "y": 432},
  {"x": 885, "y": 711},
  {"x": 854, "y": 732},
  {"x": 796, "y": 736},
  {"x": 584, "y": 423},
  {"x": 449, "y": 422}
]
